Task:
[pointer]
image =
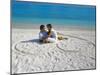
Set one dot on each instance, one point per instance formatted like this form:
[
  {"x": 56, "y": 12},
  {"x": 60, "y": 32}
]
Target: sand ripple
[{"x": 73, "y": 53}]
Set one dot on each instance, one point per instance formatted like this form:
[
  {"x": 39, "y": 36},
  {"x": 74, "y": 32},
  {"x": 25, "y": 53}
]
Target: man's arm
[{"x": 55, "y": 34}]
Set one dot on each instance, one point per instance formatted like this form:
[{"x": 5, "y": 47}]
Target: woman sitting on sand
[
  {"x": 49, "y": 36},
  {"x": 42, "y": 34}
]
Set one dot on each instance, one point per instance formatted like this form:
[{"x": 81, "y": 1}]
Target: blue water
[{"x": 33, "y": 13}]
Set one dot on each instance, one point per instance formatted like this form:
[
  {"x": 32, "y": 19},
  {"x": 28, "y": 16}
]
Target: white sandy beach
[{"x": 75, "y": 53}]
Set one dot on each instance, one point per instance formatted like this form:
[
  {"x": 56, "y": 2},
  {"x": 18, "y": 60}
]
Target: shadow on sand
[{"x": 32, "y": 41}]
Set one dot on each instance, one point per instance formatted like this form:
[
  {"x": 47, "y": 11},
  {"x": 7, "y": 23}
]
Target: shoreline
[{"x": 56, "y": 28}]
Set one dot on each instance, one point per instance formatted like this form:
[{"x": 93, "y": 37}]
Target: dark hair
[
  {"x": 49, "y": 25},
  {"x": 41, "y": 27}
]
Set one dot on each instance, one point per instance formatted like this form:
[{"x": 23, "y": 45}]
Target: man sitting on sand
[{"x": 51, "y": 34}]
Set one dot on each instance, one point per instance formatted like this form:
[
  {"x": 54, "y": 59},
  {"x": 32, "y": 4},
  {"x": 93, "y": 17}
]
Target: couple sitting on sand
[{"x": 49, "y": 35}]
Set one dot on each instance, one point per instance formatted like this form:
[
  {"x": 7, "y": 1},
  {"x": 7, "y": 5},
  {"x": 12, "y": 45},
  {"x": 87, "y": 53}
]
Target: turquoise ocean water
[{"x": 33, "y": 14}]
